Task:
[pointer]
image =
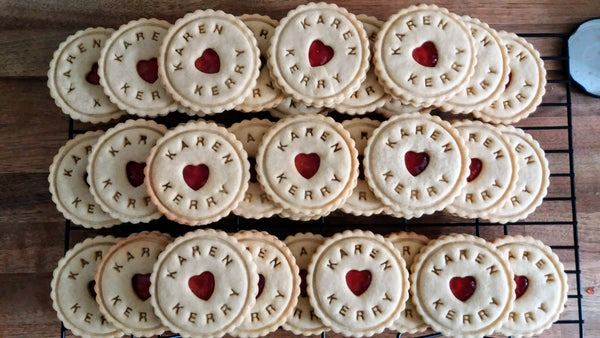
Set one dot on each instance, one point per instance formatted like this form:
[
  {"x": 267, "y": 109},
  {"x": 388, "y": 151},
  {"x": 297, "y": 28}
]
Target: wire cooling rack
[{"x": 558, "y": 211}]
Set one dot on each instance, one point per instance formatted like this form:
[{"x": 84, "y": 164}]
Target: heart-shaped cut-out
[
  {"x": 426, "y": 54},
  {"x": 141, "y": 285},
  {"x": 148, "y": 69},
  {"x": 358, "y": 281},
  {"x": 90, "y": 287},
  {"x": 303, "y": 292},
  {"x": 307, "y": 164},
  {"x": 415, "y": 162},
  {"x": 135, "y": 173},
  {"x": 319, "y": 53},
  {"x": 92, "y": 76},
  {"x": 463, "y": 287},
  {"x": 209, "y": 62},
  {"x": 261, "y": 284},
  {"x": 196, "y": 175},
  {"x": 202, "y": 285},
  {"x": 474, "y": 169},
  {"x": 522, "y": 285}
]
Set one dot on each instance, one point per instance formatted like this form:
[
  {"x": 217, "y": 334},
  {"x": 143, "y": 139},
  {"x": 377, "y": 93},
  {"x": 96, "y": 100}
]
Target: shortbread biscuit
[
  {"x": 278, "y": 284},
  {"x": 209, "y": 61},
  {"x": 362, "y": 202},
  {"x": 304, "y": 321},
  {"x": 72, "y": 293},
  {"x": 73, "y": 77},
  {"x": 289, "y": 107},
  {"x": 416, "y": 164},
  {"x": 349, "y": 283},
  {"x": 256, "y": 203},
  {"x": 541, "y": 285},
  {"x": 307, "y": 164},
  {"x": 319, "y": 54},
  {"x": 462, "y": 286},
  {"x": 197, "y": 173},
  {"x": 492, "y": 170},
  {"x": 395, "y": 107},
  {"x": 116, "y": 170},
  {"x": 128, "y": 68},
  {"x": 526, "y": 83},
  {"x": 370, "y": 95},
  {"x": 69, "y": 187},
  {"x": 123, "y": 281},
  {"x": 491, "y": 71},
  {"x": 203, "y": 284},
  {"x": 295, "y": 216},
  {"x": 424, "y": 55},
  {"x": 409, "y": 244},
  {"x": 533, "y": 177},
  {"x": 265, "y": 94}
]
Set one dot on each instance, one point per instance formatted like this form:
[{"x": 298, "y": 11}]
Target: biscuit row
[
  {"x": 302, "y": 167},
  {"x": 319, "y": 57},
  {"x": 356, "y": 283}
]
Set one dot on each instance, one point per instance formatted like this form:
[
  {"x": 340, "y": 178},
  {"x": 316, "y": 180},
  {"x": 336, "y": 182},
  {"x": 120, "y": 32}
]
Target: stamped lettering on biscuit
[
  {"x": 289, "y": 106},
  {"x": 424, "y": 54},
  {"x": 319, "y": 53},
  {"x": 128, "y": 68},
  {"x": 461, "y": 286},
  {"x": 74, "y": 81},
  {"x": 73, "y": 289},
  {"x": 116, "y": 170},
  {"x": 416, "y": 164}
]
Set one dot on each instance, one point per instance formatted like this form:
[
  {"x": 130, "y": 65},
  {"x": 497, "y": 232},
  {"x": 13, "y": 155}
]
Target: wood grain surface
[{"x": 32, "y": 129}]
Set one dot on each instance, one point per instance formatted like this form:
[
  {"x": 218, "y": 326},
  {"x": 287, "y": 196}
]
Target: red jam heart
[
  {"x": 91, "y": 290},
  {"x": 475, "y": 169},
  {"x": 141, "y": 285},
  {"x": 209, "y": 62},
  {"x": 148, "y": 70},
  {"x": 92, "y": 76},
  {"x": 261, "y": 284},
  {"x": 195, "y": 175},
  {"x": 358, "y": 281},
  {"x": 416, "y": 162},
  {"x": 135, "y": 173},
  {"x": 303, "y": 274},
  {"x": 463, "y": 287},
  {"x": 522, "y": 284},
  {"x": 426, "y": 55},
  {"x": 252, "y": 161},
  {"x": 319, "y": 53},
  {"x": 202, "y": 285},
  {"x": 307, "y": 164}
]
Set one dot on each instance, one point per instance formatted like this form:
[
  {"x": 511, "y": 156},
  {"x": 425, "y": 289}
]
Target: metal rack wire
[{"x": 435, "y": 225}]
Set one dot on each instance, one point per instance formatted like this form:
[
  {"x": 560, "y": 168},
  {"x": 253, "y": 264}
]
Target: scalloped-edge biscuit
[
  {"x": 492, "y": 170},
  {"x": 541, "y": 285},
  {"x": 526, "y": 84},
  {"x": 73, "y": 77},
  {"x": 289, "y": 107},
  {"x": 533, "y": 177},
  {"x": 72, "y": 289},
  {"x": 348, "y": 283},
  {"x": 307, "y": 164},
  {"x": 278, "y": 284},
  {"x": 395, "y": 107},
  {"x": 409, "y": 244},
  {"x": 424, "y": 54},
  {"x": 304, "y": 321},
  {"x": 68, "y": 185},
  {"x": 256, "y": 203},
  {"x": 319, "y": 54},
  {"x": 203, "y": 284},
  {"x": 462, "y": 286},
  {"x": 416, "y": 164},
  {"x": 116, "y": 170},
  {"x": 197, "y": 173},
  {"x": 122, "y": 282},
  {"x": 221, "y": 52}
]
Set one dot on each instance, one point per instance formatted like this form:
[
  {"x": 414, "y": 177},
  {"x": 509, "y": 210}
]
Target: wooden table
[{"x": 32, "y": 129}]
